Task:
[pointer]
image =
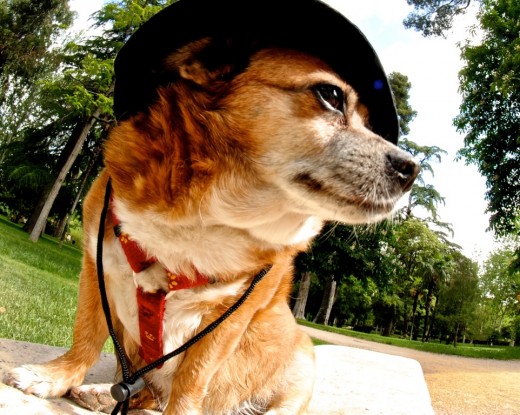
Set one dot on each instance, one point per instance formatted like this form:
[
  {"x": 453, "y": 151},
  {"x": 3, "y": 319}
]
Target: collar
[{"x": 139, "y": 260}]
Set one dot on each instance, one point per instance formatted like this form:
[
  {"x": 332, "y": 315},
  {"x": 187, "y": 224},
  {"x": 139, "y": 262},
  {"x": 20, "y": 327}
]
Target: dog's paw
[
  {"x": 35, "y": 380},
  {"x": 97, "y": 398}
]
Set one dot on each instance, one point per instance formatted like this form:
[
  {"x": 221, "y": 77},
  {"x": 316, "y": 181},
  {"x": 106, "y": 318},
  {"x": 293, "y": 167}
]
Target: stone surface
[
  {"x": 350, "y": 381},
  {"x": 355, "y": 382}
]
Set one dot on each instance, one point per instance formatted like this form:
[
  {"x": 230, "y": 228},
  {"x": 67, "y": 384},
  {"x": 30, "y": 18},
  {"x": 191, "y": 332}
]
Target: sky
[{"x": 432, "y": 67}]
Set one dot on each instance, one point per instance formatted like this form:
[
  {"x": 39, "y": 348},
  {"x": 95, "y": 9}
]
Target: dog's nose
[{"x": 404, "y": 166}]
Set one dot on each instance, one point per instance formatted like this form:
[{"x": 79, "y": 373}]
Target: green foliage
[
  {"x": 27, "y": 30},
  {"x": 434, "y": 17},
  {"x": 126, "y": 16},
  {"x": 355, "y": 300},
  {"x": 49, "y": 114},
  {"x": 490, "y": 110},
  {"x": 490, "y": 84},
  {"x": 459, "y": 297},
  {"x": 80, "y": 88},
  {"x": 401, "y": 89},
  {"x": 500, "y": 285},
  {"x": 422, "y": 194}
]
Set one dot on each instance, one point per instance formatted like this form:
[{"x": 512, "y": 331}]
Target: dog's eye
[{"x": 331, "y": 96}]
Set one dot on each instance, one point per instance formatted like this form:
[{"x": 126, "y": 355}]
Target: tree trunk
[
  {"x": 432, "y": 319},
  {"x": 78, "y": 139},
  {"x": 62, "y": 224},
  {"x": 388, "y": 328},
  {"x": 408, "y": 208},
  {"x": 82, "y": 186},
  {"x": 456, "y": 335},
  {"x": 414, "y": 311},
  {"x": 303, "y": 294},
  {"x": 330, "y": 303},
  {"x": 406, "y": 320},
  {"x": 60, "y": 163},
  {"x": 29, "y": 225},
  {"x": 327, "y": 302},
  {"x": 427, "y": 307}
]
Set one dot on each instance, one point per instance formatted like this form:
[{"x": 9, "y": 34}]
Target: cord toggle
[{"x": 123, "y": 391}]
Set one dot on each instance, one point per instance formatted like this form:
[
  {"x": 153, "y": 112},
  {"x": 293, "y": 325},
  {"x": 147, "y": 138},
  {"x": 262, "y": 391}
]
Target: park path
[{"x": 457, "y": 385}]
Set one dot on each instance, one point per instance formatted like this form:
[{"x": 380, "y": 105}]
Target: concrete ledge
[
  {"x": 358, "y": 382},
  {"x": 350, "y": 381}
]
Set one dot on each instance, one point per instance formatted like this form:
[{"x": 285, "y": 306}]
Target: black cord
[
  {"x": 101, "y": 282},
  {"x": 206, "y": 331},
  {"x": 124, "y": 387}
]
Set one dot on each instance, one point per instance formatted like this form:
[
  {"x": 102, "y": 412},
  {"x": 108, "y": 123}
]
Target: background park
[{"x": 405, "y": 281}]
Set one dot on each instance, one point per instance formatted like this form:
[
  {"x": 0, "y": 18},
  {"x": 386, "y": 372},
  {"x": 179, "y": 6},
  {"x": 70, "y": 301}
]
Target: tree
[
  {"x": 434, "y": 17},
  {"x": 423, "y": 265},
  {"x": 501, "y": 289},
  {"x": 490, "y": 110},
  {"x": 355, "y": 302},
  {"x": 82, "y": 95},
  {"x": 401, "y": 89},
  {"x": 70, "y": 154},
  {"x": 343, "y": 255},
  {"x": 328, "y": 299},
  {"x": 422, "y": 194},
  {"x": 91, "y": 89},
  {"x": 27, "y": 30},
  {"x": 459, "y": 297},
  {"x": 328, "y": 259}
]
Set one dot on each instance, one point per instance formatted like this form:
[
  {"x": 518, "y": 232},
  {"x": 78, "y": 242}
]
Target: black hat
[{"x": 307, "y": 25}]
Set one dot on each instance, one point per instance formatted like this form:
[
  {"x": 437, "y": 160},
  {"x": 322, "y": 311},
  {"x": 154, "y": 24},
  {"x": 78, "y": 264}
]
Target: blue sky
[{"x": 432, "y": 67}]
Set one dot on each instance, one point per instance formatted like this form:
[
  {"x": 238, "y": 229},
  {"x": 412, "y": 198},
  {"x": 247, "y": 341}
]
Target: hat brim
[{"x": 306, "y": 25}]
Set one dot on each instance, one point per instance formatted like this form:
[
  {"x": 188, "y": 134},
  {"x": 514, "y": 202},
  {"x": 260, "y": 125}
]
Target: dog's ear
[{"x": 208, "y": 62}]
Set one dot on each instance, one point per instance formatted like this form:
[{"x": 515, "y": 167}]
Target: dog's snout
[{"x": 405, "y": 166}]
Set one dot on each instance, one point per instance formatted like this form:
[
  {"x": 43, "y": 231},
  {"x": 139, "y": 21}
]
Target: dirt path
[{"x": 457, "y": 385}]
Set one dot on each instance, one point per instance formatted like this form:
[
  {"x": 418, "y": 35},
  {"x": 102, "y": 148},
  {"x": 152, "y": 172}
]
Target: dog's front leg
[
  {"x": 196, "y": 371},
  {"x": 203, "y": 359},
  {"x": 200, "y": 363}
]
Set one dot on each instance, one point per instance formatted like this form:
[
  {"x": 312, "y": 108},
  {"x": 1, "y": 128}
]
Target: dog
[{"x": 231, "y": 170}]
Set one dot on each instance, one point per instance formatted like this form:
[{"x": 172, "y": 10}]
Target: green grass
[
  {"x": 38, "y": 287},
  {"x": 466, "y": 350},
  {"x": 318, "y": 342}
]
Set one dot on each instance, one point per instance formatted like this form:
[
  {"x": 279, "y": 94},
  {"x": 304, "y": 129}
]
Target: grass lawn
[
  {"x": 38, "y": 287},
  {"x": 467, "y": 350}
]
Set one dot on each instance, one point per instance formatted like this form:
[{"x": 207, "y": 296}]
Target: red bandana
[{"x": 151, "y": 305}]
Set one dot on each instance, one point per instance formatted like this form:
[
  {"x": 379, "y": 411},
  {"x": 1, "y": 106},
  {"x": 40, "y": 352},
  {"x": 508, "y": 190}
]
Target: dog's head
[{"x": 256, "y": 131}]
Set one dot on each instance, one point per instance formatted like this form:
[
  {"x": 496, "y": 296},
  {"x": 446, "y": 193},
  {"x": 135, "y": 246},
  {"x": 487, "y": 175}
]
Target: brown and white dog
[{"x": 233, "y": 167}]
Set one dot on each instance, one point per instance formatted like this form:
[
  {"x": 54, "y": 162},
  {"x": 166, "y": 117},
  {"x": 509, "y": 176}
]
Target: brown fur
[{"x": 212, "y": 164}]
